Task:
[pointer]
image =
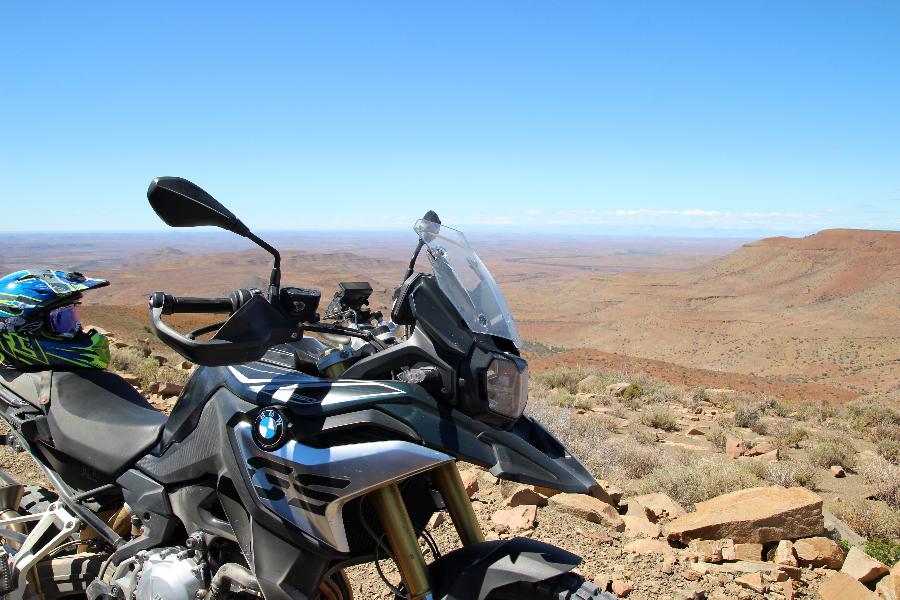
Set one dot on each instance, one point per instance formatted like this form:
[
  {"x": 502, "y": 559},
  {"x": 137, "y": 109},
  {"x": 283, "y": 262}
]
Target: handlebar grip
[{"x": 185, "y": 304}]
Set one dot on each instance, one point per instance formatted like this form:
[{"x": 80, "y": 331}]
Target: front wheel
[{"x": 568, "y": 586}]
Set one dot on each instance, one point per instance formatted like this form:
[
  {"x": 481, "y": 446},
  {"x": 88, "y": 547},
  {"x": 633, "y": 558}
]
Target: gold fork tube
[
  {"x": 401, "y": 537},
  {"x": 450, "y": 485}
]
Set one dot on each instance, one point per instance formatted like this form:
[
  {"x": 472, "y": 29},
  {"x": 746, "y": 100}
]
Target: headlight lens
[{"x": 507, "y": 388}]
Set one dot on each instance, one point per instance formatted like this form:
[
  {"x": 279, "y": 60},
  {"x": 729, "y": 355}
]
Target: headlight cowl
[{"x": 506, "y": 387}]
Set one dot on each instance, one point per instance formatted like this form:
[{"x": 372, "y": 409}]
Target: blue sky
[{"x": 670, "y": 117}]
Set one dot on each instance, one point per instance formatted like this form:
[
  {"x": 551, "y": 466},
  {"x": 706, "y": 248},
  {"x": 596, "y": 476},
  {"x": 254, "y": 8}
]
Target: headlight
[{"x": 507, "y": 388}]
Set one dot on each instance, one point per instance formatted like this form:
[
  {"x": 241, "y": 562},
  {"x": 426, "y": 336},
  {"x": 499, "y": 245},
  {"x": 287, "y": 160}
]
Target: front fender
[{"x": 473, "y": 572}]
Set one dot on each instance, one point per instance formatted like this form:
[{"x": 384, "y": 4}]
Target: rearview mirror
[{"x": 180, "y": 203}]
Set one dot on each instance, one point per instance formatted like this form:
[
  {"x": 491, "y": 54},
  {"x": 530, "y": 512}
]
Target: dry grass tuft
[
  {"x": 884, "y": 477},
  {"x": 660, "y": 417},
  {"x": 872, "y": 520},
  {"x": 834, "y": 449},
  {"x": 698, "y": 478}
]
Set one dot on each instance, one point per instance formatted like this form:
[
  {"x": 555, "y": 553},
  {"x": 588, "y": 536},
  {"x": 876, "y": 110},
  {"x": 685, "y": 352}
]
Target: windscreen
[{"x": 467, "y": 282}]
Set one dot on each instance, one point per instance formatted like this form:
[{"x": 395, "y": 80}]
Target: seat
[{"x": 97, "y": 418}]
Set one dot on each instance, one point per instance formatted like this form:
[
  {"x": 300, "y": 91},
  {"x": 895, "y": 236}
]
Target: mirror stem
[{"x": 275, "y": 276}]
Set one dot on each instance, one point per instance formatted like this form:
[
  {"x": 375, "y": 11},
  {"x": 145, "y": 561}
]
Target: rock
[
  {"x": 522, "y": 495},
  {"x": 840, "y": 586},
  {"x": 544, "y": 491},
  {"x": 752, "y": 581},
  {"x": 863, "y": 567},
  {"x": 170, "y": 389},
  {"x": 519, "y": 518},
  {"x": 131, "y": 379},
  {"x": 761, "y": 515},
  {"x": 787, "y": 589},
  {"x": 153, "y": 388},
  {"x": 769, "y": 456},
  {"x": 709, "y": 551},
  {"x": 728, "y": 552},
  {"x": 656, "y": 506},
  {"x": 621, "y": 588},
  {"x": 819, "y": 552},
  {"x": 771, "y": 571},
  {"x": 616, "y": 389},
  {"x": 639, "y": 526},
  {"x": 734, "y": 447},
  {"x": 161, "y": 360},
  {"x": 841, "y": 530},
  {"x": 889, "y": 587},
  {"x": 784, "y": 554},
  {"x": 600, "y": 492},
  {"x": 470, "y": 481},
  {"x": 436, "y": 520},
  {"x": 748, "y": 551},
  {"x": 119, "y": 345},
  {"x": 588, "y": 508},
  {"x": 763, "y": 447},
  {"x": 695, "y": 431},
  {"x": 837, "y": 471},
  {"x": 615, "y": 494},
  {"x": 648, "y": 546}
]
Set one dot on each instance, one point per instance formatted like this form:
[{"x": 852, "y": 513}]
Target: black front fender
[{"x": 473, "y": 572}]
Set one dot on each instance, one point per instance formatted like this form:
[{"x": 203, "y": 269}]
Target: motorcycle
[{"x": 301, "y": 445}]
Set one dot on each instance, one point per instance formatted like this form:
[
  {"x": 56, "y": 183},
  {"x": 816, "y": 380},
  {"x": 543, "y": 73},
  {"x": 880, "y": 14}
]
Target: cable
[{"x": 380, "y": 546}]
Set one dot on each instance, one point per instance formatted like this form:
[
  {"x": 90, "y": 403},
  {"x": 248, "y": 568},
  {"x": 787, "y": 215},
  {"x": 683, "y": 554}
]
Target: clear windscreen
[{"x": 466, "y": 282}]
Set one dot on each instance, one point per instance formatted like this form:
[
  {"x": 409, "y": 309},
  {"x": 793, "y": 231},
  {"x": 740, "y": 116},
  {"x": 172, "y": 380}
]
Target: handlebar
[{"x": 171, "y": 305}]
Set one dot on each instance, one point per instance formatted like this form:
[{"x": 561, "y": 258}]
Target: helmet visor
[{"x": 64, "y": 321}]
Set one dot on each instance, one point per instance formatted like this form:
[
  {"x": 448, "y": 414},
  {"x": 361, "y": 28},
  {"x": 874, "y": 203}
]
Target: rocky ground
[{"x": 702, "y": 493}]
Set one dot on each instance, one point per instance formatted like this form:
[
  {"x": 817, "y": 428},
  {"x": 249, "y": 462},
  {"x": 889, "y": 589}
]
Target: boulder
[
  {"x": 620, "y": 588},
  {"x": 656, "y": 506},
  {"x": 749, "y": 551},
  {"x": 784, "y": 554},
  {"x": 170, "y": 389},
  {"x": 763, "y": 447},
  {"x": 590, "y": 384},
  {"x": 769, "y": 456},
  {"x": 648, "y": 546},
  {"x": 637, "y": 526},
  {"x": 837, "y": 471},
  {"x": 819, "y": 552},
  {"x": 734, "y": 447},
  {"x": 470, "y": 481},
  {"x": 616, "y": 389},
  {"x": 752, "y": 581},
  {"x": 522, "y": 495},
  {"x": 889, "y": 587},
  {"x": 695, "y": 431},
  {"x": 770, "y": 571},
  {"x": 588, "y": 508},
  {"x": 602, "y": 493},
  {"x": 840, "y": 586},
  {"x": 863, "y": 567},
  {"x": 761, "y": 515},
  {"x": 544, "y": 491},
  {"x": 518, "y": 518}
]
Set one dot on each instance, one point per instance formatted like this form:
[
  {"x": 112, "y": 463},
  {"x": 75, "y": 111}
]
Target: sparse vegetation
[
  {"x": 747, "y": 415},
  {"x": 791, "y": 474},
  {"x": 887, "y": 551},
  {"x": 697, "y": 479},
  {"x": 834, "y": 450},
  {"x": 884, "y": 477},
  {"x": 660, "y": 417},
  {"x": 872, "y": 520},
  {"x": 889, "y": 449}
]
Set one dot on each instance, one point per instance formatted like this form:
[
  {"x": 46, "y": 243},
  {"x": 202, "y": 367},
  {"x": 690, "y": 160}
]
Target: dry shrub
[
  {"x": 786, "y": 436},
  {"x": 625, "y": 459},
  {"x": 561, "y": 378},
  {"x": 834, "y": 450},
  {"x": 791, "y": 474},
  {"x": 696, "y": 479},
  {"x": 660, "y": 417},
  {"x": 716, "y": 437},
  {"x": 889, "y": 449},
  {"x": 884, "y": 477},
  {"x": 869, "y": 417},
  {"x": 872, "y": 520},
  {"x": 581, "y": 435},
  {"x": 748, "y": 415},
  {"x": 146, "y": 369}
]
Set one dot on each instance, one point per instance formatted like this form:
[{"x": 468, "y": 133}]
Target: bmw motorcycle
[{"x": 301, "y": 445}]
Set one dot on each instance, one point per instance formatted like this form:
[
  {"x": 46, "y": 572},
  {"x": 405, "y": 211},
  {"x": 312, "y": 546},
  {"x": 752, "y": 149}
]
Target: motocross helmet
[{"x": 39, "y": 324}]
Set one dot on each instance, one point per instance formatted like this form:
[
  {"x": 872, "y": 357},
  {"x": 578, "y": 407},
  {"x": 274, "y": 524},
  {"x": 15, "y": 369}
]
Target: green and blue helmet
[{"x": 39, "y": 324}]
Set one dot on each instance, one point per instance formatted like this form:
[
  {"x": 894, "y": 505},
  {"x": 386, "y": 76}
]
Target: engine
[{"x": 170, "y": 573}]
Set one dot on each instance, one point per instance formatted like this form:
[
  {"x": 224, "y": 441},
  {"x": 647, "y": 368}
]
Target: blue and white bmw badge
[{"x": 269, "y": 430}]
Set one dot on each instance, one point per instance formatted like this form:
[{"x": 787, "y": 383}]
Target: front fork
[{"x": 401, "y": 536}]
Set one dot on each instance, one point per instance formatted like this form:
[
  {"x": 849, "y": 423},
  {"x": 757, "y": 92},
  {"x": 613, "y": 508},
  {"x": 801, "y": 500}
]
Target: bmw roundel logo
[{"x": 269, "y": 430}]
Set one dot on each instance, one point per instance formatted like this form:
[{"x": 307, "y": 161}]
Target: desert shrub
[
  {"x": 716, "y": 437},
  {"x": 698, "y": 479},
  {"x": 643, "y": 436},
  {"x": 595, "y": 383},
  {"x": 817, "y": 412},
  {"x": 889, "y": 449},
  {"x": 884, "y": 477},
  {"x": 760, "y": 427},
  {"x": 747, "y": 415},
  {"x": 146, "y": 369},
  {"x": 660, "y": 417},
  {"x": 562, "y": 378},
  {"x": 872, "y": 520},
  {"x": 887, "y": 551},
  {"x": 786, "y": 436},
  {"x": 580, "y": 434},
  {"x": 700, "y": 395},
  {"x": 625, "y": 459},
  {"x": 561, "y": 398},
  {"x": 791, "y": 474},
  {"x": 868, "y": 416},
  {"x": 617, "y": 409},
  {"x": 633, "y": 392},
  {"x": 834, "y": 450}
]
